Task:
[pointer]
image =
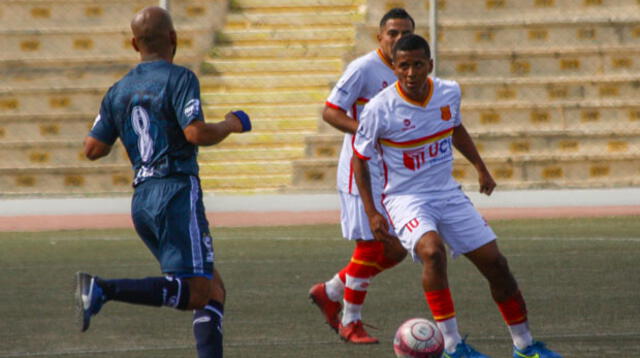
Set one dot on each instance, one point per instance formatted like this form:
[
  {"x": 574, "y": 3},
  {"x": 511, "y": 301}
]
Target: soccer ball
[{"x": 418, "y": 338}]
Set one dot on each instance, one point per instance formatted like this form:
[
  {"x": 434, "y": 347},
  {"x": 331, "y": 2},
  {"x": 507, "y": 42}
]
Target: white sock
[
  {"x": 351, "y": 313},
  {"x": 449, "y": 329},
  {"x": 334, "y": 288},
  {"x": 521, "y": 335}
]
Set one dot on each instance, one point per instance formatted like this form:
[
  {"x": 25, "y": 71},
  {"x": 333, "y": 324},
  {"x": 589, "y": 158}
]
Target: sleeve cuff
[{"x": 334, "y": 106}]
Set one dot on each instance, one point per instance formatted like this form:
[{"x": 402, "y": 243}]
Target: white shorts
[
  {"x": 353, "y": 218},
  {"x": 452, "y": 215}
]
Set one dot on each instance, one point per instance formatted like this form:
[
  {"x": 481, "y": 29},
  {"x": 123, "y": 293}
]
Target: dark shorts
[{"x": 169, "y": 216}]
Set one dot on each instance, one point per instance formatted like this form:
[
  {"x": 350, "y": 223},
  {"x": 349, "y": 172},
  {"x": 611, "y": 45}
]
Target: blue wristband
[{"x": 244, "y": 119}]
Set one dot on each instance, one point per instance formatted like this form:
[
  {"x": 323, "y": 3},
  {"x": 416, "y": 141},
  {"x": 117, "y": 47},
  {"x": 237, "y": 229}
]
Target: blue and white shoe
[
  {"x": 535, "y": 350},
  {"x": 464, "y": 350},
  {"x": 89, "y": 299}
]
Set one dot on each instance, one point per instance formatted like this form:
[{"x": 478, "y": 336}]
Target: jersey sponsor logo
[
  {"x": 192, "y": 109},
  {"x": 414, "y": 159},
  {"x": 412, "y": 224},
  {"x": 445, "y": 113},
  {"x": 432, "y": 154},
  {"x": 407, "y": 125}
]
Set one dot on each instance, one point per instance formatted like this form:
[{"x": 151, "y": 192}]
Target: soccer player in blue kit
[{"x": 155, "y": 110}]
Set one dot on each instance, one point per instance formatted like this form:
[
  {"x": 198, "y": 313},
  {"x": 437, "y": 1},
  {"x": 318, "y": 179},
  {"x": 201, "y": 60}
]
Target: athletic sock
[
  {"x": 207, "y": 330},
  {"x": 150, "y": 291},
  {"x": 359, "y": 271},
  {"x": 441, "y": 304},
  {"x": 335, "y": 288},
  {"x": 514, "y": 313}
]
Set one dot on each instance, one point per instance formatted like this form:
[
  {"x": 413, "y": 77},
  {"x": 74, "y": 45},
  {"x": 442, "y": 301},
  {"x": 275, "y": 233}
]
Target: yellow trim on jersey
[
  {"x": 367, "y": 263},
  {"x": 418, "y": 142},
  {"x": 384, "y": 59},
  {"x": 411, "y": 101}
]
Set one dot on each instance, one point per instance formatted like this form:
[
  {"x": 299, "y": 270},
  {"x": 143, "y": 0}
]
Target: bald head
[{"x": 153, "y": 32}]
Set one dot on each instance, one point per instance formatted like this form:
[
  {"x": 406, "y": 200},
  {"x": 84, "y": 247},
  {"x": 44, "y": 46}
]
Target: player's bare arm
[
  {"x": 95, "y": 149},
  {"x": 339, "y": 120},
  {"x": 464, "y": 144},
  {"x": 201, "y": 133},
  {"x": 378, "y": 223}
]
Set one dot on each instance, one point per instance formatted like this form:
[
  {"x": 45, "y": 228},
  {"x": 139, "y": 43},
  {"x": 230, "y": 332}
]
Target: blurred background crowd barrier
[{"x": 550, "y": 87}]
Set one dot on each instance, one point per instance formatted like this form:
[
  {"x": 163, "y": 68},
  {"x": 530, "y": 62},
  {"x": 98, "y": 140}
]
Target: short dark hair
[
  {"x": 396, "y": 13},
  {"x": 410, "y": 42}
]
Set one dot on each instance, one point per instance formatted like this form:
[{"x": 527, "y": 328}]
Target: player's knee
[
  {"x": 432, "y": 252},
  {"x": 199, "y": 292}
]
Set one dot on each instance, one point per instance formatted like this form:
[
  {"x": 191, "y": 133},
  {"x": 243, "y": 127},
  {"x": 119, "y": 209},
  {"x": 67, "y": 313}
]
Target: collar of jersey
[
  {"x": 384, "y": 59},
  {"x": 416, "y": 103}
]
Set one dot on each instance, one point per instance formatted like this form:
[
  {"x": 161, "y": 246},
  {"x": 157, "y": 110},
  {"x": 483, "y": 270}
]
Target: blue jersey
[{"x": 149, "y": 109}]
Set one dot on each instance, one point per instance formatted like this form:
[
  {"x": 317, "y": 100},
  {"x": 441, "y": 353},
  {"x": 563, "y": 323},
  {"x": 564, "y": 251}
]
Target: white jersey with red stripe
[
  {"x": 365, "y": 77},
  {"x": 413, "y": 139}
]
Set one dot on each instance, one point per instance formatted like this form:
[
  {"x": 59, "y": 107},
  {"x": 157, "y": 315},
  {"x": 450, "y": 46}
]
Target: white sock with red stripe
[{"x": 355, "y": 292}]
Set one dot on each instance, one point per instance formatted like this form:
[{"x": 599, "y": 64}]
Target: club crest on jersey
[
  {"x": 384, "y": 84},
  {"x": 414, "y": 159},
  {"x": 445, "y": 113}
]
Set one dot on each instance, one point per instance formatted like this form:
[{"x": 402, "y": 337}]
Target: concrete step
[
  {"x": 284, "y": 37},
  {"x": 245, "y": 183},
  {"x": 239, "y": 99},
  {"x": 33, "y": 154},
  {"x": 261, "y": 83},
  {"x": 271, "y": 67},
  {"x": 66, "y": 179},
  {"x": 536, "y": 8},
  {"x": 266, "y": 6},
  {"x": 53, "y": 101},
  {"x": 286, "y": 153},
  {"x": 575, "y": 61},
  {"x": 29, "y": 14},
  {"x": 550, "y": 88},
  {"x": 248, "y": 168},
  {"x": 524, "y": 143},
  {"x": 274, "y": 51},
  {"x": 75, "y": 43},
  {"x": 292, "y": 20},
  {"x": 268, "y": 111},
  {"x": 554, "y": 171},
  {"x": 61, "y": 75},
  {"x": 552, "y": 115},
  {"x": 264, "y": 140}
]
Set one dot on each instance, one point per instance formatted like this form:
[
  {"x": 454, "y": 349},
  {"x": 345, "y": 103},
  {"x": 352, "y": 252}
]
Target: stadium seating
[
  {"x": 549, "y": 89},
  {"x": 58, "y": 60},
  {"x": 276, "y": 60}
]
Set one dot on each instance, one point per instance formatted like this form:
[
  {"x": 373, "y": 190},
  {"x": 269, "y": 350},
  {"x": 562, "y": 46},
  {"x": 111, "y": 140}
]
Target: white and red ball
[{"x": 418, "y": 338}]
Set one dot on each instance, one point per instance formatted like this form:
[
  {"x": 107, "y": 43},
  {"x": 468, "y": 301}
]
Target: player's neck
[
  {"x": 151, "y": 57},
  {"x": 418, "y": 95}
]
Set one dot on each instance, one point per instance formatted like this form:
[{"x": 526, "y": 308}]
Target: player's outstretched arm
[
  {"x": 201, "y": 133},
  {"x": 377, "y": 222},
  {"x": 95, "y": 149},
  {"x": 339, "y": 120},
  {"x": 464, "y": 144}
]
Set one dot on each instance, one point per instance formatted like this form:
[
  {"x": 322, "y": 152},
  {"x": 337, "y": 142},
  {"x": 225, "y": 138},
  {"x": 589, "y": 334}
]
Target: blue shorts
[{"x": 169, "y": 216}]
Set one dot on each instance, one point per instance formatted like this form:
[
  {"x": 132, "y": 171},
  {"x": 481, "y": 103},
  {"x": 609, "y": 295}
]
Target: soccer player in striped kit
[
  {"x": 155, "y": 110},
  {"x": 362, "y": 80},
  {"x": 414, "y": 125}
]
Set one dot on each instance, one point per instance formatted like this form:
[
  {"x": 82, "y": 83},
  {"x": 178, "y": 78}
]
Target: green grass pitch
[{"x": 580, "y": 277}]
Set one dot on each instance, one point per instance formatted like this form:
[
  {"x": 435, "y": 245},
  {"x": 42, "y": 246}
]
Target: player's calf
[{"x": 207, "y": 330}]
